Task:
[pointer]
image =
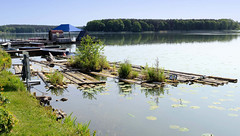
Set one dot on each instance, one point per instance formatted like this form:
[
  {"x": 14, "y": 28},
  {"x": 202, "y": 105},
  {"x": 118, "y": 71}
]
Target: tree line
[
  {"x": 25, "y": 28},
  {"x": 139, "y": 25}
]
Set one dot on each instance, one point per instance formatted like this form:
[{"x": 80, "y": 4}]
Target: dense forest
[
  {"x": 25, "y": 28},
  {"x": 139, "y": 25}
]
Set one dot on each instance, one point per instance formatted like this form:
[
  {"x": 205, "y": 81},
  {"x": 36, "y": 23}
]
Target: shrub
[
  {"x": 3, "y": 100},
  {"x": 125, "y": 70},
  {"x": 56, "y": 78},
  {"x": 88, "y": 57},
  {"x": 7, "y": 121},
  {"x": 5, "y": 60},
  {"x": 10, "y": 82}
]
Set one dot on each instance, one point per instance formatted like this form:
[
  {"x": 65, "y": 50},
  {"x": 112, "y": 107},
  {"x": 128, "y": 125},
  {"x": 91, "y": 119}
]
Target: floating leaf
[
  {"x": 127, "y": 90},
  {"x": 131, "y": 115},
  {"x": 151, "y": 118},
  {"x": 224, "y": 100},
  {"x": 153, "y": 107},
  {"x": 125, "y": 93},
  {"x": 161, "y": 96},
  {"x": 233, "y": 115},
  {"x": 184, "y": 101},
  {"x": 152, "y": 103},
  {"x": 183, "y": 129},
  {"x": 216, "y": 103},
  {"x": 178, "y": 105},
  {"x": 129, "y": 98},
  {"x": 104, "y": 94},
  {"x": 120, "y": 83},
  {"x": 174, "y": 126},
  {"x": 121, "y": 95},
  {"x": 195, "y": 107},
  {"x": 207, "y": 134},
  {"x": 229, "y": 95},
  {"x": 215, "y": 107}
]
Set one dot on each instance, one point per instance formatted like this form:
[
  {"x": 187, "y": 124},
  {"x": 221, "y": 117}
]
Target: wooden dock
[{"x": 39, "y": 52}]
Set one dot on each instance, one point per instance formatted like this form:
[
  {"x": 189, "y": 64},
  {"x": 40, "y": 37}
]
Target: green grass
[
  {"x": 56, "y": 78},
  {"x": 33, "y": 119},
  {"x": 125, "y": 70}
]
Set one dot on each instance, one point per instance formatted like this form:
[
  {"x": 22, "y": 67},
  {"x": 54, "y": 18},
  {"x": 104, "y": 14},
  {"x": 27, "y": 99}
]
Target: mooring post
[{"x": 26, "y": 69}]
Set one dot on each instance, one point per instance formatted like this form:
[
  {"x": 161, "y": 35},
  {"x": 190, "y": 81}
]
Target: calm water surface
[{"x": 206, "y": 109}]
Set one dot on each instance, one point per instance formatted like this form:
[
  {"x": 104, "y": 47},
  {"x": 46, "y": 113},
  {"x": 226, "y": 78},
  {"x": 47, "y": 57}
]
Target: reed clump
[
  {"x": 56, "y": 78},
  {"x": 152, "y": 74},
  {"x": 125, "y": 71}
]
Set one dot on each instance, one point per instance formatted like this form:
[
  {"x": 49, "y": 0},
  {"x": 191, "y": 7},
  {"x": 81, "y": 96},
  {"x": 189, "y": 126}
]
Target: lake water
[{"x": 205, "y": 109}]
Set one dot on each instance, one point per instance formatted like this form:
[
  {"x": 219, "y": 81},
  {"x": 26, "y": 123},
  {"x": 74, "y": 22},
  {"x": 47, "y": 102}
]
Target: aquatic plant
[
  {"x": 152, "y": 74},
  {"x": 56, "y": 78},
  {"x": 133, "y": 74},
  {"x": 125, "y": 70},
  {"x": 103, "y": 63}
]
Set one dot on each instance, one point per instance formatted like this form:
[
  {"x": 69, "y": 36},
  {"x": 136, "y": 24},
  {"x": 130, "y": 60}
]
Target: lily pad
[
  {"x": 184, "y": 101},
  {"x": 120, "y": 83},
  {"x": 152, "y": 103},
  {"x": 131, "y": 115},
  {"x": 153, "y": 107},
  {"x": 183, "y": 129},
  {"x": 216, "y": 107},
  {"x": 151, "y": 118},
  {"x": 174, "y": 126},
  {"x": 121, "y": 95},
  {"x": 104, "y": 94},
  {"x": 129, "y": 98},
  {"x": 207, "y": 134},
  {"x": 233, "y": 115},
  {"x": 224, "y": 100},
  {"x": 195, "y": 107},
  {"x": 178, "y": 105},
  {"x": 127, "y": 90},
  {"x": 216, "y": 102}
]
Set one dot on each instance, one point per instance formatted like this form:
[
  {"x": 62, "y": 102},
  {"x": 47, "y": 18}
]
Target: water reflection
[
  {"x": 91, "y": 93},
  {"x": 153, "y": 38},
  {"x": 56, "y": 92},
  {"x": 156, "y": 93}
]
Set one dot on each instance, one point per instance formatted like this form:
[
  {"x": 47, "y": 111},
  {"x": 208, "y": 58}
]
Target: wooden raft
[{"x": 184, "y": 77}]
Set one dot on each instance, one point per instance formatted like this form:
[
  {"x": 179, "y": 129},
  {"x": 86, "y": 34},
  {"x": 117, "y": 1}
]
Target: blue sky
[{"x": 79, "y": 12}]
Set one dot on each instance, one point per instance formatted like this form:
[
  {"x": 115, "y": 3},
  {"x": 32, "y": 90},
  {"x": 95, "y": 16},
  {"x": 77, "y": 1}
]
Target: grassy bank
[
  {"x": 21, "y": 113},
  {"x": 33, "y": 119}
]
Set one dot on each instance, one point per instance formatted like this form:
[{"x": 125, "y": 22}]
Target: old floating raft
[{"x": 184, "y": 77}]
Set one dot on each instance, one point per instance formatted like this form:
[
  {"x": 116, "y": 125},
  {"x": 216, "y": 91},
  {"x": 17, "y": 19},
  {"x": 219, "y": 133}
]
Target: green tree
[
  {"x": 136, "y": 27},
  {"x": 88, "y": 54}
]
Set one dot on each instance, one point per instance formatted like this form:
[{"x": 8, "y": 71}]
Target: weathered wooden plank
[{"x": 86, "y": 83}]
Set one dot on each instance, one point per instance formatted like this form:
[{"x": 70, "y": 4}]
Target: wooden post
[{"x": 26, "y": 69}]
